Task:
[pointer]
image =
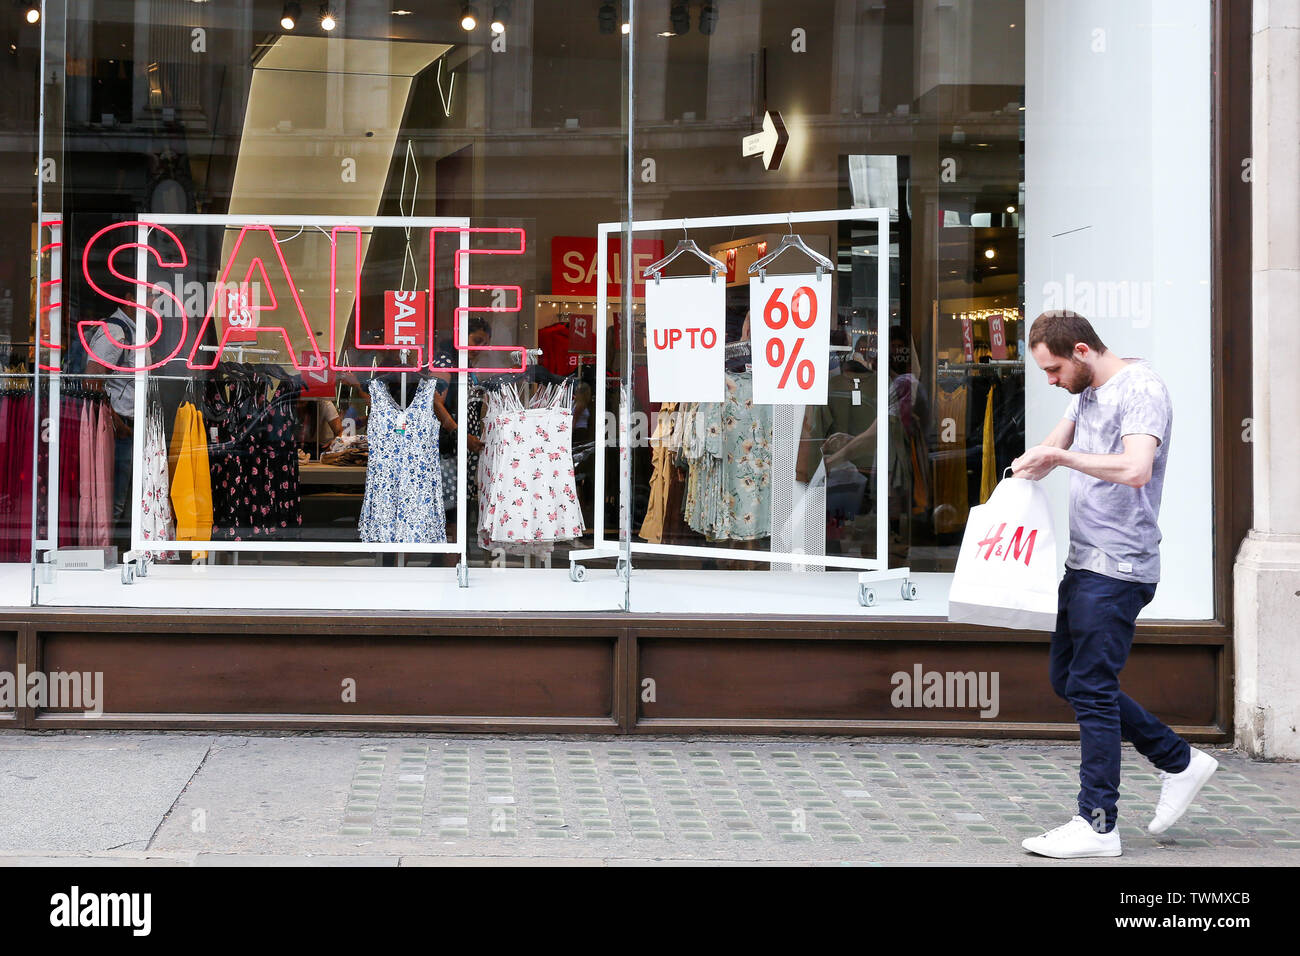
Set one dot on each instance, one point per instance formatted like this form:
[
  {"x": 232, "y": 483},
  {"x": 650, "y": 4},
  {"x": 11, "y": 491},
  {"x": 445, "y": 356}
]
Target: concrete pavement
[{"x": 208, "y": 800}]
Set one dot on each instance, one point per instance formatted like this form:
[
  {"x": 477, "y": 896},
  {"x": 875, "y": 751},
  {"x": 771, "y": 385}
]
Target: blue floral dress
[{"x": 403, "y": 502}]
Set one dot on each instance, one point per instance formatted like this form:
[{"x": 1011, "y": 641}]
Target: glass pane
[{"x": 346, "y": 345}]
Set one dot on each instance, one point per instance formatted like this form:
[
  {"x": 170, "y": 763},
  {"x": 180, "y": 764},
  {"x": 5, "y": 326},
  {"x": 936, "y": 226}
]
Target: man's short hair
[
  {"x": 479, "y": 324},
  {"x": 1061, "y": 330}
]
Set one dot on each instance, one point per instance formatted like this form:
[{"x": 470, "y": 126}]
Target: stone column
[{"x": 1267, "y": 580}]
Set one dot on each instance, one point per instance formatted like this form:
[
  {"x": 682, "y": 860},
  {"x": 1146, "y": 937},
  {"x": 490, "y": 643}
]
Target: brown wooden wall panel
[
  {"x": 223, "y": 673},
  {"x": 8, "y": 660},
  {"x": 775, "y": 680}
]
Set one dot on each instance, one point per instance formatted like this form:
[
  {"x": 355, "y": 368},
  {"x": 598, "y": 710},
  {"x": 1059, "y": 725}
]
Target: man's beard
[{"x": 1077, "y": 385}]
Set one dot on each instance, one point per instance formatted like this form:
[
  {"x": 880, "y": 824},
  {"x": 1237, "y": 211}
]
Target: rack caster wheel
[
  {"x": 143, "y": 568},
  {"x": 128, "y": 574},
  {"x": 622, "y": 569},
  {"x": 577, "y": 573},
  {"x": 908, "y": 591},
  {"x": 462, "y": 575},
  {"x": 866, "y": 596}
]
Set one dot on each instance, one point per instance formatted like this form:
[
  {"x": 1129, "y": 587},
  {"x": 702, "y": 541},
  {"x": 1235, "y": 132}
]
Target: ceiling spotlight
[
  {"x": 708, "y": 17},
  {"x": 468, "y": 17},
  {"x": 31, "y": 12},
  {"x": 680, "y": 16},
  {"x": 500, "y": 13},
  {"x": 289, "y": 17},
  {"x": 607, "y": 17},
  {"x": 627, "y": 28},
  {"x": 328, "y": 18},
  {"x": 990, "y": 253},
  {"x": 1011, "y": 209}
]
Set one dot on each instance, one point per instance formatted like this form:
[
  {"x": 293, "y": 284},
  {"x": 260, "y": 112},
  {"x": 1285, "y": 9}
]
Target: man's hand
[
  {"x": 120, "y": 426},
  {"x": 1036, "y": 463}
]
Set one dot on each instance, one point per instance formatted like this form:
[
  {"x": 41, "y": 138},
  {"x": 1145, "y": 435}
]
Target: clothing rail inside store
[{"x": 45, "y": 373}]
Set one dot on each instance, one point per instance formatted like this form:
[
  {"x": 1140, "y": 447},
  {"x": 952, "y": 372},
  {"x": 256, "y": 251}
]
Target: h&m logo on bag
[{"x": 1018, "y": 544}]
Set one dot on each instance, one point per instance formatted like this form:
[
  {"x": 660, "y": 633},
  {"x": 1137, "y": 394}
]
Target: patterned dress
[
  {"x": 527, "y": 498},
  {"x": 729, "y": 448},
  {"x": 403, "y": 501},
  {"x": 254, "y": 463}
]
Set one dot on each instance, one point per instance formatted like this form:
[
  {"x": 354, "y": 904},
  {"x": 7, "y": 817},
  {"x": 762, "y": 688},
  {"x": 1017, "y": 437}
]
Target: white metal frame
[
  {"x": 137, "y": 560},
  {"x": 874, "y": 570}
]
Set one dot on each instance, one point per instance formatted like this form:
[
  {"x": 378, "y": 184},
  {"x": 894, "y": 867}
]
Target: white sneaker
[
  {"x": 1178, "y": 790},
  {"x": 1074, "y": 839}
]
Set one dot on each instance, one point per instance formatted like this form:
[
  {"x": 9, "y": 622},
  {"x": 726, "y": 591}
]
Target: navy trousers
[{"x": 1095, "y": 620}]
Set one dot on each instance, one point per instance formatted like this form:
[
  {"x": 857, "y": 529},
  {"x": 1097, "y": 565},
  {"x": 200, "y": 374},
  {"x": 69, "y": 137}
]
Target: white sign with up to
[{"x": 685, "y": 326}]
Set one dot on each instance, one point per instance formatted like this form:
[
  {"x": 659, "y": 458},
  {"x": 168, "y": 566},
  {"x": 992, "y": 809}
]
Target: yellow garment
[
  {"x": 191, "y": 480},
  {"x": 989, "y": 474}
]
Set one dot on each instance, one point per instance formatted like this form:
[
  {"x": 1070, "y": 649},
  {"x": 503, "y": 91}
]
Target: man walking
[{"x": 1115, "y": 438}]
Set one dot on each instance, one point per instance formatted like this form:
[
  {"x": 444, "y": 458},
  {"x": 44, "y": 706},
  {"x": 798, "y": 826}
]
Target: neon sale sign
[{"x": 248, "y": 302}]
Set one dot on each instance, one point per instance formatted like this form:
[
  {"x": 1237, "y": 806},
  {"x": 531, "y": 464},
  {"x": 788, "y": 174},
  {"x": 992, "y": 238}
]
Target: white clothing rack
[{"x": 872, "y": 571}]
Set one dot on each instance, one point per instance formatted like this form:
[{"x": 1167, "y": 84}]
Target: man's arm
[
  {"x": 1032, "y": 464},
  {"x": 1062, "y": 435},
  {"x": 1131, "y": 467}
]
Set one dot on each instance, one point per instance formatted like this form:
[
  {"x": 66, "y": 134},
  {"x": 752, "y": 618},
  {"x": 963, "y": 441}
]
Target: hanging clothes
[
  {"x": 16, "y": 478},
  {"x": 156, "y": 520},
  {"x": 528, "y": 499},
  {"x": 254, "y": 460},
  {"x": 403, "y": 499},
  {"x": 664, "y": 511},
  {"x": 989, "y": 469},
  {"x": 729, "y": 444},
  {"x": 190, "y": 476},
  {"x": 951, "y": 497},
  {"x": 69, "y": 470}
]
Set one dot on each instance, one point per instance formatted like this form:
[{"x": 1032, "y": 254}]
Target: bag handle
[{"x": 1005, "y": 470}]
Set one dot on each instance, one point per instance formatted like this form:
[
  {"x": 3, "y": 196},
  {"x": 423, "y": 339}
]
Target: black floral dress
[{"x": 254, "y": 461}]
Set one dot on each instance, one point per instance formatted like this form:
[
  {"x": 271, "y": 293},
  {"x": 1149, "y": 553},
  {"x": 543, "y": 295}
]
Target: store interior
[{"x": 397, "y": 116}]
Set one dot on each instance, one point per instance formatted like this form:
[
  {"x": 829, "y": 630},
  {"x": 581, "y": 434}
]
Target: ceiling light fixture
[
  {"x": 289, "y": 16},
  {"x": 990, "y": 253},
  {"x": 403, "y": 13},
  {"x": 468, "y": 17},
  {"x": 31, "y": 12},
  {"x": 606, "y": 17},
  {"x": 708, "y": 17},
  {"x": 328, "y": 18},
  {"x": 500, "y": 14},
  {"x": 679, "y": 14},
  {"x": 627, "y": 28}
]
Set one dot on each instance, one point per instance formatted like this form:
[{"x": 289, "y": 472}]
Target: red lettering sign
[
  {"x": 573, "y": 265},
  {"x": 997, "y": 337},
  {"x": 178, "y": 262},
  {"x": 405, "y": 319},
  {"x": 460, "y": 261},
  {"x": 968, "y": 340},
  {"x": 582, "y": 333},
  {"x": 242, "y": 303},
  {"x": 244, "y": 315},
  {"x": 318, "y": 383}
]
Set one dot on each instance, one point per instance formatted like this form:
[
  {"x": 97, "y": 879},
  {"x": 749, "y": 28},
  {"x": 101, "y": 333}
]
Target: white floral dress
[
  {"x": 156, "y": 520},
  {"x": 403, "y": 501},
  {"x": 527, "y": 496}
]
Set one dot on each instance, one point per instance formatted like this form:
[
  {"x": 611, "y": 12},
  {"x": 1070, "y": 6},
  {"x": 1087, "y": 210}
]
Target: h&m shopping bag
[{"x": 1006, "y": 570}]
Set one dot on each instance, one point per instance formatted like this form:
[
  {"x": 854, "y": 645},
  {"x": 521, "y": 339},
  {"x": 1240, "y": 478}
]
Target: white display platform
[
  {"x": 677, "y": 592},
  {"x": 15, "y": 585}
]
